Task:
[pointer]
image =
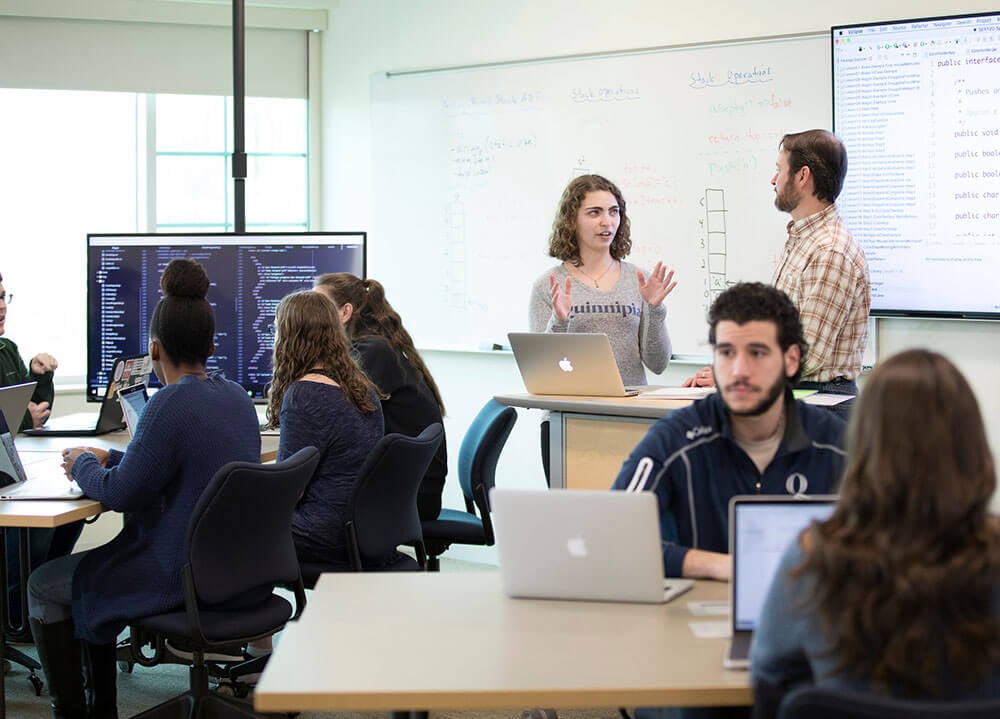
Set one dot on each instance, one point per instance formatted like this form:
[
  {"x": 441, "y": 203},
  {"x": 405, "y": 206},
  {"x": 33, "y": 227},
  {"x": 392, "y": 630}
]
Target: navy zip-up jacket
[{"x": 692, "y": 462}]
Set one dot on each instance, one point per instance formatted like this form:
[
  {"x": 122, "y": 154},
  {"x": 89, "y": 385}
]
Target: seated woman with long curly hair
[
  {"x": 897, "y": 592},
  {"x": 320, "y": 397}
]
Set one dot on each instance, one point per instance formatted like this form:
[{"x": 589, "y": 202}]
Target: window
[{"x": 119, "y": 162}]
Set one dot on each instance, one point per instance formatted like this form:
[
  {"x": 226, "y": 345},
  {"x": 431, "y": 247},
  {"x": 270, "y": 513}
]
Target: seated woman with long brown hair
[
  {"x": 897, "y": 592},
  {"x": 320, "y": 397}
]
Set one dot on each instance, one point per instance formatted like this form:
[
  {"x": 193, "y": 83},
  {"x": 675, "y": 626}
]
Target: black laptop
[{"x": 126, "y": 372}]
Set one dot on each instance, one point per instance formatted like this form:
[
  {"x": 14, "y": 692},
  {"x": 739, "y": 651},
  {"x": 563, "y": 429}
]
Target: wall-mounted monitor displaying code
[
  {"x": 917, "y": 104},
  {"x": 249, "y": 274}
]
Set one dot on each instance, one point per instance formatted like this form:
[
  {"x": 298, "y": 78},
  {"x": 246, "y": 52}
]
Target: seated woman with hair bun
[{"x": 196, "y": 423}]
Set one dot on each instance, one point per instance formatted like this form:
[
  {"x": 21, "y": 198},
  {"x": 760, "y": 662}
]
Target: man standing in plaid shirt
[{"x": 822, "y": 269}]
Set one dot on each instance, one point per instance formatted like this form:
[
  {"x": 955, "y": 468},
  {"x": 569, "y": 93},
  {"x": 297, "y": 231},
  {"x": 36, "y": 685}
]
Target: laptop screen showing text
[
  {"x": 764, "y": 531},
  {"x": 11, "y": 469}
]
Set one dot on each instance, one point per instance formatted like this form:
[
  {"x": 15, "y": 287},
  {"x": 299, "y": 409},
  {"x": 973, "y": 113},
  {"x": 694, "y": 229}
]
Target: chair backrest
[
  {"x": 480, "y": 450},
  {"x": 825, "y": 703},
  {"x": 382, "y": 510},
  {"x": 239, "y": 540}
]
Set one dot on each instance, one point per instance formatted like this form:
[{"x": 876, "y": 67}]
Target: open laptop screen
[{"x": 762, "y": 528}]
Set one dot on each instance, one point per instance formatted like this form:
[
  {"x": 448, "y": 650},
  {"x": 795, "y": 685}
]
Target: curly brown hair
[
  {"x": 374, "y": 316},
  {"x": 563, "y": 244},
  {"x": 308, "y": 337},
  {"x": 907, "y": 566}
]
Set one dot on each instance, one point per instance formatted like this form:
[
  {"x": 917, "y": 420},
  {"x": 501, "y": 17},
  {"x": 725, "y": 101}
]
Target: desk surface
[
  {"x": 429, "y": 641},
  {"x": 612, "y": 406},
  {"x": 116, "y": 440},
  {"x": 46, "y": 513}
]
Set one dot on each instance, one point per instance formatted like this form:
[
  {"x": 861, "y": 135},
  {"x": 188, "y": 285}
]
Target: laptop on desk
[
  {"x": 13, "y": 401},
  {"x": 567, "y": 363},
  {"x": 47, "y": 479},
  {"x": 125, "y": 372},
  {"x": 596, "y": 545},
  {"x": 761, "y": 527}
]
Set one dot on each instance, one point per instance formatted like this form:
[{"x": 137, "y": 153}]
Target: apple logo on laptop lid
[
  {"x": 576, "y": 546},
  {"x": 565, "y": 365}
]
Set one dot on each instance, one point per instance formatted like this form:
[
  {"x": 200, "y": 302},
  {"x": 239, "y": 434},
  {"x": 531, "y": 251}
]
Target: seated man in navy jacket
[{"x": 750, "y": 437}]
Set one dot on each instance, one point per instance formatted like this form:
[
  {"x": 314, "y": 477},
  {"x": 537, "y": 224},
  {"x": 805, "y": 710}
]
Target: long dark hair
[
  {"x": 907, "y": 566},
  {"x": 373, "y": 316},
  {"x": 309, "y": 337}
]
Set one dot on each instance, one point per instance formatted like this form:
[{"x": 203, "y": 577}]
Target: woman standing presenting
[{"x": 594, "y": 290}]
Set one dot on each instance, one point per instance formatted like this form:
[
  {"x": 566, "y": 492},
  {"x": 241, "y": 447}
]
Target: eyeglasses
[
  {"x": 6, "y": 297},
  {"x": 272, "y": 328}
]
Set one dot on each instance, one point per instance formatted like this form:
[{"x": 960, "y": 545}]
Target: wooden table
[
  {"x": 115, "y": 440},
  {"x": 23, "y": 515},
  {"x": 431, "y": 641},
  {"x": 590, "y": 437}
]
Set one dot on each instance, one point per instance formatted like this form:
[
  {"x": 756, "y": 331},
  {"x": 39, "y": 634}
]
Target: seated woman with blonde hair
[{"x": 897, "y": 592}]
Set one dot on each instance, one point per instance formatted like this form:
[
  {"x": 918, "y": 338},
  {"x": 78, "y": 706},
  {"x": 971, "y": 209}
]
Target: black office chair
[
  {"x": 238, "y": 548},
  {"x": 827, "y": 703},
  {"x": 382, "y": 510},
  {"x": 477, "y": 464}
]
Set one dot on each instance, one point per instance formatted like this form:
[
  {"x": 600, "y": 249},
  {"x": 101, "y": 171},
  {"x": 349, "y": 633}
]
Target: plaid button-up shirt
[{"x": 824, "y": 271}]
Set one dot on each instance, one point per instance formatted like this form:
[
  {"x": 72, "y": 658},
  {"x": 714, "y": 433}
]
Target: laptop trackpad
[{"x": 738, "y": 656}]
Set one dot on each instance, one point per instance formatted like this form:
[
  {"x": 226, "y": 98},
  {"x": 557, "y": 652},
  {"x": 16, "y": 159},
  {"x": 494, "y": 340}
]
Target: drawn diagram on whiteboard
[
  {"x": 714, "y": 225},
  {"x": 455, "y": 286}
]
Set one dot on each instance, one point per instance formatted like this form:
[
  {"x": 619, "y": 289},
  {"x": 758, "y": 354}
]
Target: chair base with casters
[
  {"x": 200, "y": 700},
  {"x": 477, "y": 464},
  {"x": 813, "y": 702},
  {"x": 149, "y": 649}
]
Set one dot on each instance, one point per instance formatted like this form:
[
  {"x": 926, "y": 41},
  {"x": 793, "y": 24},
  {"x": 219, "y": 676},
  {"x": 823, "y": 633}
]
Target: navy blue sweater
[
  {"x": 187, "y": 431},
  {"x": 690, "y": 459},
  {"x": 319, "y": 415}
]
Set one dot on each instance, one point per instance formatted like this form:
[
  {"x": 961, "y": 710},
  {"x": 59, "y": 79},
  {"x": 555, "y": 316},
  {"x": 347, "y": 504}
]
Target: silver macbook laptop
[
  {"x": 125, "y": 372},
  {"x": 133, "y": 401},
  {"x": 761, "y": 527},
  {"x": 597, "y": 545},
  {"x": 568, "y": 363},
  {"x": 47, "y": 481},
  {"x": 13, "y": 401}
]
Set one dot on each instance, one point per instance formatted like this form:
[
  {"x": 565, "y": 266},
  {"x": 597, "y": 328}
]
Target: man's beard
[{"x": 770, "y": 397}]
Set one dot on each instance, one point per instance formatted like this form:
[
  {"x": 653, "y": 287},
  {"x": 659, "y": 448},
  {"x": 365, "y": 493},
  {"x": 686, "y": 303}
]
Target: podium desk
[
  {"x": 590, "y": 437},
  {"x": 412, "y": 641}
]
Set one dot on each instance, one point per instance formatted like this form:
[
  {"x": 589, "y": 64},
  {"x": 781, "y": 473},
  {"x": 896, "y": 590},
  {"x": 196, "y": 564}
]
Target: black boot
[
  {"x": 59, "y": 653},
  {"x": 102, "y": 680}
]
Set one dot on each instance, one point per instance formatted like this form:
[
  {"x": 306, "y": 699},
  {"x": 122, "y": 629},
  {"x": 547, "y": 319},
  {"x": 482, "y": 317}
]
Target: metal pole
[{"x": 239, "y": 136}]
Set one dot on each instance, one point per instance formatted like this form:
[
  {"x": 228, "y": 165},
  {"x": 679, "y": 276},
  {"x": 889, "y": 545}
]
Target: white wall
[{"x": 368, "y": 36}]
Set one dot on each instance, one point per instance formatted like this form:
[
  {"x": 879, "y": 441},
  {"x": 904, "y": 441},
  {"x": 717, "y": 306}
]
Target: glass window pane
[
  {"x": 191, "y": 189},
  {"x": 276, "y": 125},
  {"x": 190, "y": 123},
  {"x": 68, "y": 168},
  {"x": 276, "y": 190}
]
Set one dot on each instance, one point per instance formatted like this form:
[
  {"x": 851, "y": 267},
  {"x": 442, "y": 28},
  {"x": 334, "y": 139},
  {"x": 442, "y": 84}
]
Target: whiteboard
[{"x": 469, "y": 164}]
